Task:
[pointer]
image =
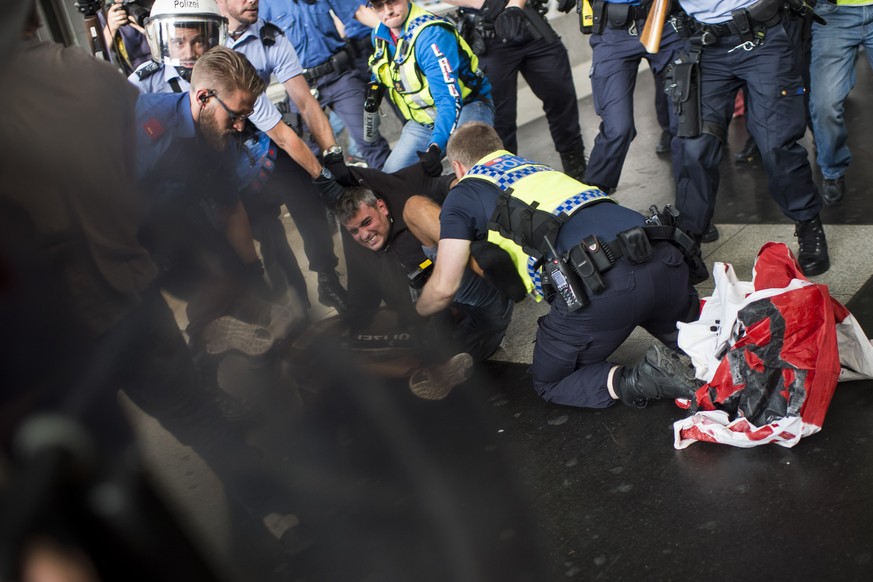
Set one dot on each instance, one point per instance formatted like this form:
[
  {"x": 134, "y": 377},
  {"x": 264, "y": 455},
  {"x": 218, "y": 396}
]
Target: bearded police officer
[
  {"x": 431, "y": 74},
  {"x": 595, "y": 308},
  {"x": 751, "y": 43}
]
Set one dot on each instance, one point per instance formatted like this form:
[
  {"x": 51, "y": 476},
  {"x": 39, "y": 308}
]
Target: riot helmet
[{"x": 180, "y": 31}]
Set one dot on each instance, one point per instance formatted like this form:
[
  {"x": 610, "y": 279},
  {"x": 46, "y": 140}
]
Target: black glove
[
  {"x": 430, "y": 160},
  {"x": 337, "y": 166},
  {"x": 566, "y": 6},
  {"x": 511, "y": 26},
  {"x": 328, "y": 188}
]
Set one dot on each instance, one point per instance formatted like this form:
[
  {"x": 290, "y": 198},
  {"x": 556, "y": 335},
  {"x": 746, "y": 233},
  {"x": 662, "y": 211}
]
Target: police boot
[
  {"x": 573, "y": 161},
  {"x": 813, "y": 256},
  {"x": 749, "y": 154},
  {"x": 661, "y": 374},
  {"x": 331, "y": 292}
]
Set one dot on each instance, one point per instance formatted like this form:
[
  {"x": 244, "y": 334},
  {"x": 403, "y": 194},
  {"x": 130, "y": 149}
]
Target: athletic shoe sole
[
  {"x": 228, "y": 333},
  {"x": 435, "y": 383}
]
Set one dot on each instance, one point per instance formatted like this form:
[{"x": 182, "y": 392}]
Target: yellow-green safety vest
[
  {"x": 532, "y": 182},
  {"x": 407, "y": 86}
]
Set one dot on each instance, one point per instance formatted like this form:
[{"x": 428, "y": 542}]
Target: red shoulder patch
[{"x": 153, "y": 128}]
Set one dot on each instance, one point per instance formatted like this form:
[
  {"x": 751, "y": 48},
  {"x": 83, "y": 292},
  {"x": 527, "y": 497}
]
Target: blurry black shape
[{"x": 111, "y": 512}]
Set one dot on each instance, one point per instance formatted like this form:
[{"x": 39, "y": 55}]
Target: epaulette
[
  {"x": 147, "y": 70},
  {"x": 269, "y": 33}
]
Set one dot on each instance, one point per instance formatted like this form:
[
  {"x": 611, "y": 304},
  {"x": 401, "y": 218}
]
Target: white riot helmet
[{"x": 180, "y": 31}]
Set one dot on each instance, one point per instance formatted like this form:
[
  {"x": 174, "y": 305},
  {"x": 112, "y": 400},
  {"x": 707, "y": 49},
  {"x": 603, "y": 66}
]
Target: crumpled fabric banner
[{"x": 770, "y": 352}]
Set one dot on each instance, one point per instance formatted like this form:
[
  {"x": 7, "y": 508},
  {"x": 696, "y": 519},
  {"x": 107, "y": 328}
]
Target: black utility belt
[
  {"x": 339, "y": 62},
  {"x": 592, "y": 256},
  {"x": 621, "y": 15},
  {"x": 744, "y": 22}
]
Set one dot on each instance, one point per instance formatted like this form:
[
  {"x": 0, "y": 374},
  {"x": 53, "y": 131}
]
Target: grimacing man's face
[{"x": 370, "y": 226}]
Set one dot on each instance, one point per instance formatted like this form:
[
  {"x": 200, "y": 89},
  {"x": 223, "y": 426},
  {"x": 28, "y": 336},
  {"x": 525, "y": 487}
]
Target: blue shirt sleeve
[{"x": 436, "y": 53}]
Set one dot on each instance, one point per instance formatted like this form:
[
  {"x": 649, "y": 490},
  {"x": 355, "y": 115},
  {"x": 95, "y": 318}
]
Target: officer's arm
[
  {"x": 366, "y": 16},
  {"x": 452, "y": 257},
  {"x": 286, "y": 139},
  {"x": 438, "y": 57},
  {"x": 310, "y": 110},
  {"x": 239, "y": 233},
  {"x": 475, "y": 4}
]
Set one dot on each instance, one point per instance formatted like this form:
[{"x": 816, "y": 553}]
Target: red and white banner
[{"x": 771, "y": 352}]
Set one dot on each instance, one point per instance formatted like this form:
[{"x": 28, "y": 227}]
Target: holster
[
  {"x": 682, "y": 85},
  {"x": 598, "y": 19}
]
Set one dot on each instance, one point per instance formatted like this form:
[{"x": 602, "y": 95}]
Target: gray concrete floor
[{"x": 646, "y": 180}]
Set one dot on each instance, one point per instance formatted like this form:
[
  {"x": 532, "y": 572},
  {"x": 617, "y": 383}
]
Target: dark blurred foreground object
[{"x": 59, "y": 488}]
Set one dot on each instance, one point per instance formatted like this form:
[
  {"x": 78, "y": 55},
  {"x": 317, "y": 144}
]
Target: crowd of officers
[{"x": 448, "y": 251}]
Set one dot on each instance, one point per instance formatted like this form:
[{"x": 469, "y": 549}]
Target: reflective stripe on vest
[
  {"x": 407, "y": 86},
  {"x": 532, "y": 182}
]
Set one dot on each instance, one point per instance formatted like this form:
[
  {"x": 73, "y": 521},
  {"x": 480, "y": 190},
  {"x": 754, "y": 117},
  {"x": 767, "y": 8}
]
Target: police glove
[
  {"x": 566, "y": 6},
  {"x": 328, "y": 188},
  {"x": 511, "y": 26},
  {"x": 431, "y": 160},
  {"x": 334, "y": 162}
]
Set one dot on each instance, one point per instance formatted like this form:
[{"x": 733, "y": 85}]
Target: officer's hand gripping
[
  {"x": 566, "y": 6},
  {"x": 431, "y": 160},
  {"x": 337, "y": 166},
  {"x": 328, "y": 188}
]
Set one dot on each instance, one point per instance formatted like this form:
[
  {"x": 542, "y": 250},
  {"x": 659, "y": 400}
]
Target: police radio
[
  {"x": 564, "y": 281},
  {"x": 373, "y": 99}
]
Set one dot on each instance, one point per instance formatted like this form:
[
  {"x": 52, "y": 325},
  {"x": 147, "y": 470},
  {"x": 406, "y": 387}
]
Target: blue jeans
[
  {"x": 416, "y": 137},
  {"x": 834, "y": 48}
]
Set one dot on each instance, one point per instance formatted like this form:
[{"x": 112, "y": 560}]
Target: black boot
[
  {"x": 711, "y": 234},
  {"x": 574, "y": 163},
  {"x": 331, "y": 292},
  {"x": 813, "y": 256},
  {"x": 749, "y": 154},
  {"x": 661, "y": 374},
  {"x": 663, "y": 146}
]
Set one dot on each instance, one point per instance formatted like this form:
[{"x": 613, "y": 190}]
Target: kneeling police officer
[{"x": 610, "y": 273}]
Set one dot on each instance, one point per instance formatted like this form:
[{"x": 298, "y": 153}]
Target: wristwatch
[{"x": 334, "y": 149}]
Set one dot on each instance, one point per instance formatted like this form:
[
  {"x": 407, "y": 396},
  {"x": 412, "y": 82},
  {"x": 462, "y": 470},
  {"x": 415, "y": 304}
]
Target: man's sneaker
[
  {"x": 331, "y": 292},
  {"x": 749, "y": 154},
  {"x": 832, "y": 191},
  {"x": 813, "y": 255},
  {"x": 435, "y": 382},
  {"x": 710, "y": 234},
  {"x": 663, "y": 146},
  {"x": 661, "y": 374},
  {"x": 229, "y": 333}
]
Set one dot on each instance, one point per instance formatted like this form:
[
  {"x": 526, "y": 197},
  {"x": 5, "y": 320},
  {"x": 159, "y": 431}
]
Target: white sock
[{"x": 610, "y": 386}]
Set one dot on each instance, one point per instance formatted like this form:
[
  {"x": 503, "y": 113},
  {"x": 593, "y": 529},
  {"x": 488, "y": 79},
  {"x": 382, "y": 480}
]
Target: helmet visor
[{"x": 179, "y": 42}]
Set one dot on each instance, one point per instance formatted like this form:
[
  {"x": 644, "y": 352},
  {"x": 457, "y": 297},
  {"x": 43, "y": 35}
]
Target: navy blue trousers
[
  {"x": 546, "y": 68},
  {"x": 569, "y": 361},
  {"x": 775, "y": 117},
  {"x": 614, "y": 69}
]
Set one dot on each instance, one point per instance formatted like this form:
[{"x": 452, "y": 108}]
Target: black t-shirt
[{"x": 381, "y": 275}]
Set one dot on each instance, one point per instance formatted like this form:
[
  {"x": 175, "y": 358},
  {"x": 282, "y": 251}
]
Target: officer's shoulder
[
  {"x": 156, "y": 113},
  {"x": 146, "y": 70},
  {"x": 269, "y": 33}
]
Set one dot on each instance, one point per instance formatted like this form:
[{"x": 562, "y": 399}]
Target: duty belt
[
  {"x": 615, "y": 12},
  {"x": 337, "y": 63}
]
